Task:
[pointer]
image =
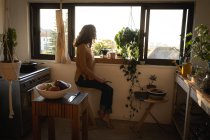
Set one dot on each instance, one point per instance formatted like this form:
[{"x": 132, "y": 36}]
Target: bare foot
[
  {"x": 101, "y": 114},
  {"x": 108, "y": 122}
]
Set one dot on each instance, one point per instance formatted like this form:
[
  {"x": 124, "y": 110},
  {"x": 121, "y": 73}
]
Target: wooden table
[
  {"x": 61, "y": 108},
  {"x": 147, "y": 111}
]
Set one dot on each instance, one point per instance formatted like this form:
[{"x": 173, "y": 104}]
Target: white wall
[
  {"x": 202, "y": 10},
  {"x": 112, "y": 72},
  {"x": 1, "y": 15},
  {"x": 19, "y": 20},
  {"x": 19, "y": 17}
]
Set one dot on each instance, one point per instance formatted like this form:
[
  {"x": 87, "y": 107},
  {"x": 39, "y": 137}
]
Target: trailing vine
[
  {"x": 128, "y": 42},
  {"x": 131, "y": 74}
]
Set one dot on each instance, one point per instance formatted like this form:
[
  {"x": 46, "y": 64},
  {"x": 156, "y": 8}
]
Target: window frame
[
  {"x": 35, "y": 29},
  {"x": 145, "y": 7},
  {"x": 144, "y": 34}
]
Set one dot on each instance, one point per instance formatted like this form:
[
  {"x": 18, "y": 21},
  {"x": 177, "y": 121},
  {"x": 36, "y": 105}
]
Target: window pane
[
  {"x": 48, "y": 30},
  {"x": 108, "y": 20},
  {"x": 164, "y": 34}
]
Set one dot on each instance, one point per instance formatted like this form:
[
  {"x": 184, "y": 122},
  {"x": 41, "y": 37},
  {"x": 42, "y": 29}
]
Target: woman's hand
[
  {"x": 107, "y": 82},
  {"x": 101, "y": 80}
]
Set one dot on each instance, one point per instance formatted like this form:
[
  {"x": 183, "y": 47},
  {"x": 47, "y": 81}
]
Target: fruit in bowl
[
  {"x": 55, "y": 86},
  {"x": 61, "y": 84},
  {"x": 53, "y": 90}
]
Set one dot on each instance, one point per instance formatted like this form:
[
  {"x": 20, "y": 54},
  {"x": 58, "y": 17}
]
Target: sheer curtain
[{"x": 61, "y": 55}]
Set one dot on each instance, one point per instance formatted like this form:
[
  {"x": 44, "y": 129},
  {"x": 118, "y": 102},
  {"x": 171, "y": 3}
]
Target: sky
[{"x": 106, "y": 26}]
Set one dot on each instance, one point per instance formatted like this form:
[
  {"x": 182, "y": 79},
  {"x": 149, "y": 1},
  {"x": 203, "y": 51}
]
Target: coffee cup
[{"x": 112, "y": 55}]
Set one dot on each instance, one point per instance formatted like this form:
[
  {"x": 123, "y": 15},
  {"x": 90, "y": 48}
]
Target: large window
[
  {"x": 108, "y": 20},
  {"x": 162, "y": 26},
  {"x": 164, "y": 34},
  {"x": 48, "y": 30}
]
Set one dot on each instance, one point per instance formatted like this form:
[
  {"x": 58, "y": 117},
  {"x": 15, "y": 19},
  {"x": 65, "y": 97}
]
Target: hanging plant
[{"x": 128, "y": 42}]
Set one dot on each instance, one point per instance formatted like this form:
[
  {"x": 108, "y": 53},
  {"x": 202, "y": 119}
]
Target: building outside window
[
  {"x": 164, "y": 34},
  {"x": 48, "y": 30}
]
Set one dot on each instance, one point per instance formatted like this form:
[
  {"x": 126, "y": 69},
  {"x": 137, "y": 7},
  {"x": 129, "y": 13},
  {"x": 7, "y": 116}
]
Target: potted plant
[
  {"x": 104, "y": 52},
  {"x": 152, "y": 79},
  {"x": 103, "y": 45},
  {"x": 199, "y": 45},
  {"x": 9, "y": 42},
  {"x": 128, "y": 42},
  {"x": 9, "y": 67}
]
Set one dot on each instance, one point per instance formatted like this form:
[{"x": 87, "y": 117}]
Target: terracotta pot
[{"x": 10, "y": 71}]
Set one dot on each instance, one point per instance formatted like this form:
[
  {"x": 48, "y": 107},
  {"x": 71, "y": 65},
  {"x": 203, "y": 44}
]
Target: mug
[{"x": 112, "y": 55}]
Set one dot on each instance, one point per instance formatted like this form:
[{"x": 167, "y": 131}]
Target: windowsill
[
  {"x": 103, "y": 61},
  {"x": 117, "y": 60},
  {"x": 97, "y": 60},
  {"x": 107, "y": 60}
]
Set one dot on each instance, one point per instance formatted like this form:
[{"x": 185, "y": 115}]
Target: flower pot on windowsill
[
  {"x": 104, "y": 52},
  {"x": 10, "y": 71}
]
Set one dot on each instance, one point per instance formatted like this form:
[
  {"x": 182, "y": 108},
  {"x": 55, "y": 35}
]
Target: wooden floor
[{"x": 121, "y": 131}]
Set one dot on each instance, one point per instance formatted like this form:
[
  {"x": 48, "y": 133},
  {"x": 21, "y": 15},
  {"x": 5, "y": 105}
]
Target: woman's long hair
[{"x": 86, "y": 35}]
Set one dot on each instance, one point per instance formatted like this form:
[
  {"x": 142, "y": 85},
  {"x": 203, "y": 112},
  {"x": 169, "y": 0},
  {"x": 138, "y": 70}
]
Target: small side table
[
  {"x": 62, "y": 108},
  {"x": 147, "y": 111}
]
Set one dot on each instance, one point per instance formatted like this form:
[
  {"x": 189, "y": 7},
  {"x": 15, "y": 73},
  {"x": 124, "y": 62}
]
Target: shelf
[
  {"x": 178, "y": 124},
  {"x": 202, "y": 99},
  {"x": 183, "y": 82},
  {"x": 200, "y": 131},
  {"x": 191, "y": 118}
]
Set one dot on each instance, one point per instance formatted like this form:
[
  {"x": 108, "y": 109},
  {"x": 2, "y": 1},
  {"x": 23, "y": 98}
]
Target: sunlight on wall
[{"x": 121, "y": 86}]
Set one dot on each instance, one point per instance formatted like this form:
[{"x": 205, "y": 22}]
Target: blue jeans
[{"x": 106, "y": 92}]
